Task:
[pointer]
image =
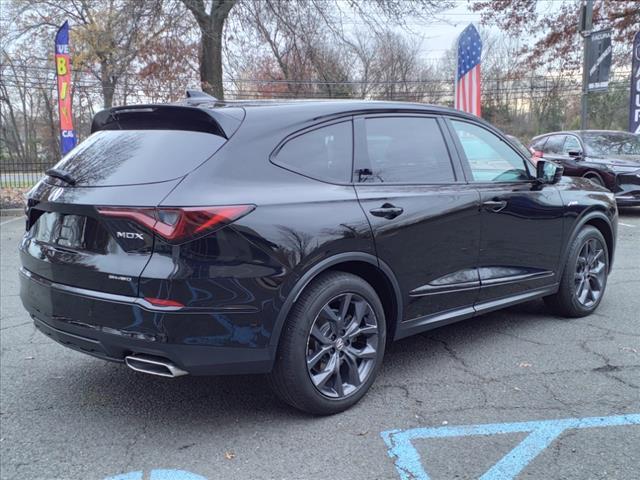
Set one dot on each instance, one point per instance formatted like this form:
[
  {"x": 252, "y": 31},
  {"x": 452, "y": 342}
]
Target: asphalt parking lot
[{"x": 539, "y": 395}]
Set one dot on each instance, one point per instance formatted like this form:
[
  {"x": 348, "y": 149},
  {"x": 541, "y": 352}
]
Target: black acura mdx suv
[{"x": 298, "y": 238}]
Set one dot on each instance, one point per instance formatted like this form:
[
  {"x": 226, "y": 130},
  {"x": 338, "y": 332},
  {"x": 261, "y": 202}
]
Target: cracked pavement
[{"x": 65, "y": 415}]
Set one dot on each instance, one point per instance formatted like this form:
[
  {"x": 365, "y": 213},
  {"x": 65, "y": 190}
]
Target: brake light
[
  {"x": 178, "y": 225},
  {"x": 537, "y": 154}
]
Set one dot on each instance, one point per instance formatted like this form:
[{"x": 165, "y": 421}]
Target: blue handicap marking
[
  {"x": 159, "y": 475},
  {"x": 541, "y": 433}
]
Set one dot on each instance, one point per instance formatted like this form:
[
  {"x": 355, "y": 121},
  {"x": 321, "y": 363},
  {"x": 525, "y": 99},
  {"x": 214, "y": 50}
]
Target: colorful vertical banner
[
  {"x": 634, "y": 104},
  {"x": 467, "y": 86},
  {"x": 63, "y": 73}
]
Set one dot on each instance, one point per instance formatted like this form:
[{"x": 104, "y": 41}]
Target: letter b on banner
[{"x": 62, "y": 65}]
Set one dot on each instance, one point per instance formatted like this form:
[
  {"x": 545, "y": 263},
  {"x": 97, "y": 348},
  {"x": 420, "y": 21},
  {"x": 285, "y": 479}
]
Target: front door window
[{"x": 490, "y": 159}]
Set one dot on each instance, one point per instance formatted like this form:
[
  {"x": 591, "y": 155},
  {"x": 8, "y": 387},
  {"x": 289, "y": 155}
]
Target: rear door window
[
  {"x": 325, "y": 153},
  {"x": 406, "y": 150},
  {"x": 555, "y": 144},
  {"x": 538, "y": 144}
]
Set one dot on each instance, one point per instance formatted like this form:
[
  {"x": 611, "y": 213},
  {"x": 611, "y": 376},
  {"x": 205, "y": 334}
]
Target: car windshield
[{"x": 615, "y": 143}]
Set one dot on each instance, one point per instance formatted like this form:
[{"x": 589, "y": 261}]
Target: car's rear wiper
[{"x": 62, "y": 175}]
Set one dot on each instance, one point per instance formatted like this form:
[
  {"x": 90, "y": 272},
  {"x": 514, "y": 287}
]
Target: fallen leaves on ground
[{"x": 12, "y": 197}]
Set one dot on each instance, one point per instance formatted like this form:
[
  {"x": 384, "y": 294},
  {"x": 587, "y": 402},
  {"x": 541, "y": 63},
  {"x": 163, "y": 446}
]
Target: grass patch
[{"x": 16, "y": 183}]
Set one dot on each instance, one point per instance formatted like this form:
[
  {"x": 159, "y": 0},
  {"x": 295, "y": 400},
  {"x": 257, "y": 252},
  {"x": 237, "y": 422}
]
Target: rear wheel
[
  {"x": 595, "y": 179},
  {"x": 332, "y": 345},
  {"x": 584, "y": 277}
]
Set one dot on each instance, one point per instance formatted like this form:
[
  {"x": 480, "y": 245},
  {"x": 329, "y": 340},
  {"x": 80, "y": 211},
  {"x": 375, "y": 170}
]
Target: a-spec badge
[{"x": 120, "y": 277}]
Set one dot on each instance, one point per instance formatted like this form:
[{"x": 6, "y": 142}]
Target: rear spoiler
[{"x": 221, "y": 121}]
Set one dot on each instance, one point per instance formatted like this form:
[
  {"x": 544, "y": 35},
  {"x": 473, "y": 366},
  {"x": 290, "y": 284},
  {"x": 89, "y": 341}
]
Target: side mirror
[
  {"x": 577, "y": 154},
  {"x": 548, "y": 172}
]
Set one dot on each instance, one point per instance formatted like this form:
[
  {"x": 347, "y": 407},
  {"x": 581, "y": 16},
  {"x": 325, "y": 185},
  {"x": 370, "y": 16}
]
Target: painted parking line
[
  {"x": 626, "y": 225},
  {"x": 158, "y": 475},
  {"x": 541, "y": 433},
  {"x": 10, "y": 221}
]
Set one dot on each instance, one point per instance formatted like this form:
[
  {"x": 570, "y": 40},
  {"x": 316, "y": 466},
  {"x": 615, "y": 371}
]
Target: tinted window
[
  {"x": 406, "y": 150},
  {"x": 490, "y": 159},
  {"x": 554, "y": 144},
  {"x": 612, "y": 143},
  {"x": 539, "y": 144},
  {"x": 571, "y": 144},
  {"x": 324, "y": 153},
  {"x": 127, "y": 157}
]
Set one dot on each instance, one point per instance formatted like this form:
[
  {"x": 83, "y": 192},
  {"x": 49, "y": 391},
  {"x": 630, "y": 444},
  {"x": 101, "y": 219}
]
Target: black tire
[
  {"x": 291, "y": 378},
  {"x": 566, "y": 302}
]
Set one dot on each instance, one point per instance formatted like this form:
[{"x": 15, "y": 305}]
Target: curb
[{"x": 11, "y": 212}]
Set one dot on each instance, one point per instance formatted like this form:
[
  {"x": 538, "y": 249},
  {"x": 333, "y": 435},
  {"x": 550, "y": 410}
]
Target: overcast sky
[{"x": 440, "y": 35}]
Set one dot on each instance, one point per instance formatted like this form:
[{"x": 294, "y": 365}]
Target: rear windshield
[{"x": 130, "y": 157}]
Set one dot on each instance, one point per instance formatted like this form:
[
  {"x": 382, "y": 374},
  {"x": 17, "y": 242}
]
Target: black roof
[
  {"x": 229, "y": 114},
  {"x": 580, "y": 133},
  {"x": 318, "y": 108}
]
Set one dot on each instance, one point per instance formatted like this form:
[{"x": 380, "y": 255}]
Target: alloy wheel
[
  {"x": 342, "y": 345},
  {"x": 590, "y": 273}
]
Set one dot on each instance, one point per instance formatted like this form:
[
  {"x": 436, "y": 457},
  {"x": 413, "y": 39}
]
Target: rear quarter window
[{"x": 325, "y": 153}]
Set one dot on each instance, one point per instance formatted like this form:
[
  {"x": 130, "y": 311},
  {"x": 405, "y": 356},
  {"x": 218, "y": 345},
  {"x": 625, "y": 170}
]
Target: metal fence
[{"x": 523, "y": 107}]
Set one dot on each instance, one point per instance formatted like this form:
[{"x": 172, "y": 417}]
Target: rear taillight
[
  {"x": 164, "y": 302},
  {"x": 178, "y": 225},
  {"x": 537, "y": 154}
]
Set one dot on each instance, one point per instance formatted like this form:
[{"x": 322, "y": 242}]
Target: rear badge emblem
[
  {"x": 130, "y": 235},
  {"x": 119, "y": 277}
]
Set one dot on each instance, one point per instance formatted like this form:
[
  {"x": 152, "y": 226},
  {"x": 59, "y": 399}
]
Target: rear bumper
[{"x": 112, "y": 327}]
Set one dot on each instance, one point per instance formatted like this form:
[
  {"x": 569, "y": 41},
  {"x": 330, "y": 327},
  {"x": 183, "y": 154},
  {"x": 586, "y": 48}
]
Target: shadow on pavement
[{"x": 229, "y": 399}]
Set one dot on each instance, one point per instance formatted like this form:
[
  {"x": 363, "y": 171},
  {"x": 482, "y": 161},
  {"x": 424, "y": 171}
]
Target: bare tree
[
  {"x": 211, "y": 20},
  {"x": 558, "y": 40},
  {"x": 107, "y": 36}
]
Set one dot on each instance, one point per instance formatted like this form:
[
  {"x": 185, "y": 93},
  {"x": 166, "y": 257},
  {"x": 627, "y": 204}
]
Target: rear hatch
[{"x": 134, "y": 158}]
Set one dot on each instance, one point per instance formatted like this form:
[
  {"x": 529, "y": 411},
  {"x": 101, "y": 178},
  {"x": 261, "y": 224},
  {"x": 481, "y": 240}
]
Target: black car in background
[
  {"x": 521, "y": 147},
  {"x": 297, "y": 239},
  {"x": 607, "y": 158}
]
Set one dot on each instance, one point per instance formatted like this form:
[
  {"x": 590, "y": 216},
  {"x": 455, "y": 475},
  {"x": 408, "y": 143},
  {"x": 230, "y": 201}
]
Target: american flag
[{"x": 468, "y": 75}]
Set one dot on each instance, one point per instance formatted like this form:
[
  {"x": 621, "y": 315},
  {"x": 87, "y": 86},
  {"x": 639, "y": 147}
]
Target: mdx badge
[{"x": 130, "y": 235}]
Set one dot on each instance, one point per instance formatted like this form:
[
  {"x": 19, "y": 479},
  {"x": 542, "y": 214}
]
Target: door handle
[
  {"x": 495, "y": 205},
  {"x": 387, "y": 211}
]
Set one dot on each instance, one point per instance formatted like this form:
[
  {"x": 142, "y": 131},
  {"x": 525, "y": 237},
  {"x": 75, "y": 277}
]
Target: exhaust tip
[{"x": 154, "y": 366}]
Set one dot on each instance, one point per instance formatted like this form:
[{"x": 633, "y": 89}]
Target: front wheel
[
  {"x": 584, "y": 277},
  {"x": 332, "y": 345}
]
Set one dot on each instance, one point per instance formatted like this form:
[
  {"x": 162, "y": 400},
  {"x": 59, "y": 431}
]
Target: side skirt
[{"x": 428, "y": 322}]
